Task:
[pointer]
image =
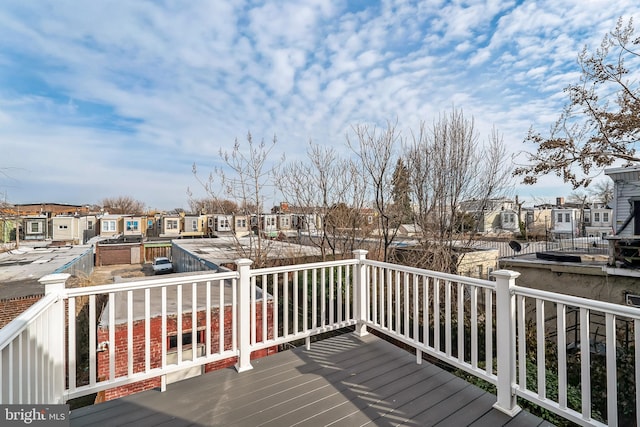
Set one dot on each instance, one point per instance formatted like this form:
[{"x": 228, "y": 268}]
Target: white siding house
[
  {"x": 565, "y": 221},
  {"x": 626, "y": 200}
]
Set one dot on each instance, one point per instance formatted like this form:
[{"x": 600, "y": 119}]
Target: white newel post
[
  {"x": 54, "y": 284},
  {"x": 244, "y": 315},
  {"x": 360, "y": 292},
  {"x": 506, "y": 341}
]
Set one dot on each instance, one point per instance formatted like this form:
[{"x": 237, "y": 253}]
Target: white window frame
[
  {"x": 34, "y": 227},
  {"x": 109, "y": 225},
  {"x": 132, "y": 225}
]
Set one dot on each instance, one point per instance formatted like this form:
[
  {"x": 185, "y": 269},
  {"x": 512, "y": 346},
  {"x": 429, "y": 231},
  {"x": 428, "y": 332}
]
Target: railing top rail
[
  {"x": 11, "y": 330},
  {"x": 436, "y": 274},
  {"x": 299, "y": 267},
  {"x": 150, "y": 283},
  {"x": 606, "y": 307}
]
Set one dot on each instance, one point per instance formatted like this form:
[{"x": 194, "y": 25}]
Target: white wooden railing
[{"x": 477, "y": 326}]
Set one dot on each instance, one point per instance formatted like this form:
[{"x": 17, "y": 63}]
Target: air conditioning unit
[{"x": 633, "y": 300}]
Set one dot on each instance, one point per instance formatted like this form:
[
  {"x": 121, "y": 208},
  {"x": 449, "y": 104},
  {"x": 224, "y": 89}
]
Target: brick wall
[
  {"x": 13, "y": 307},
  {"x": 111, "y": 254},
  {"x": 155, "y": 348}
]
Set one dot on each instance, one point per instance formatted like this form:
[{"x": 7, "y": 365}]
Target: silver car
[{"x": 162, "y": 265}]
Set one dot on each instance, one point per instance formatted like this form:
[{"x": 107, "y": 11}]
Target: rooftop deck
[
  {"x": 345, "y": 380},
  {"x": 519, "y": 339}
]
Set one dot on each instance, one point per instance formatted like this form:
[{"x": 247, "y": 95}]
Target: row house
[
  {"x": 598, "y": 222},
  {"x": 538, "y": 220},
  {"x": 195, "y": 225},
  {"x": 123, "y": 225},
  {"x": 74, "y": 229},
  {"x": 7, "y": 229},
  {"x": 35, "y": 227},
  {"x": 493, "y": 216},
  {"x": 565, "y": 222},
  {"x": 242, "y": 225}
]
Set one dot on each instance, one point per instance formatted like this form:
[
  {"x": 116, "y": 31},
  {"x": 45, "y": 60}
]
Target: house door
[{"x": 636, "y": 217}]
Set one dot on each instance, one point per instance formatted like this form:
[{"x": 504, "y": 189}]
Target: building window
[
  {"x": 34, "y": 227},
  {"x": 596, "y": 216},
  {"x": 62, "y": 227},
  {"x": 89, "y": 225},
  {"x": 172, "y": 224},
  {"x": 605, "y": 216},
  {"x": 187, "y": 339},
  {"x": 132, "y": 226},
  {"x": 241, "y": 223},
  {"x": 567, "y": 217},
  {"x": 194, "y": 225},
  {"x": 559, "y": 217},
  {"x": 109, "y": 225}
]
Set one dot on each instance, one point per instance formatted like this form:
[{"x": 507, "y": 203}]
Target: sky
[{"x": 104, "y": 99}]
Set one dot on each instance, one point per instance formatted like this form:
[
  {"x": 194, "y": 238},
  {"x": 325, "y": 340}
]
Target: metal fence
[
  {"x": 80, "y": 266},
  {"x": 575, "y": 245}
]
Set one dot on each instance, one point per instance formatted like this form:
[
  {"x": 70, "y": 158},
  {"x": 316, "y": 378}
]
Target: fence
[
  {"x": 82, "y": 265},
  {"x": 495, "y": 331}
]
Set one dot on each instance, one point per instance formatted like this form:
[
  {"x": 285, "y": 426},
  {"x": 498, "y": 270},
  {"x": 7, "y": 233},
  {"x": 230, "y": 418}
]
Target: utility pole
[{"x": 17, "y": 228}]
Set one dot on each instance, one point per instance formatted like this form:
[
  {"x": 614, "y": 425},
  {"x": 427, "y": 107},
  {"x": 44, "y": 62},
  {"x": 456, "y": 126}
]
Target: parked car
[{"x": 162, "y": 265}]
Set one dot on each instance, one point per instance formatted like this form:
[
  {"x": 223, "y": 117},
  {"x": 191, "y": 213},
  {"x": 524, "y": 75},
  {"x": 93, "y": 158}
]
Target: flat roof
[
  {"x": 224, "y": 250},
  {"x": 20, "y": 269}
]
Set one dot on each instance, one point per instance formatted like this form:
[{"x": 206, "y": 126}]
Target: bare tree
[
  {"x": 601, "y": 122},
  {"x": 449, "y": 166},
  {"x": 375, "y": 150},
  {"x": 602, "y": 191},
  {"x": 245, "y": 179},
  {"x": 324, "y": 186},
  {"x": 123, "y": 205},
  {"x": 213, "y": 205}
]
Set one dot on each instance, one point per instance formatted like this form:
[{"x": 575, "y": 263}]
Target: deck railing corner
[
  {"x": 505, "y": 341},
  {"x": 360, "y": 296}
]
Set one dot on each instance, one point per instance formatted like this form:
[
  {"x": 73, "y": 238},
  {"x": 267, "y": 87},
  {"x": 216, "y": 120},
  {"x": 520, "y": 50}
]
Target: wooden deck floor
[{"x": 342, "y": 381}]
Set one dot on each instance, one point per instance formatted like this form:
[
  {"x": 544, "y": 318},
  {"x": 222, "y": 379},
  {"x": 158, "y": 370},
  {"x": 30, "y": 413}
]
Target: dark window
[
  {"x": 186, "y": 339},
  {"x": 636, "y": 217}
]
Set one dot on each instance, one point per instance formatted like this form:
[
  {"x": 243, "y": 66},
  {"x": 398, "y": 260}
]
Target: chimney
[{"x": 560, "y": 201}]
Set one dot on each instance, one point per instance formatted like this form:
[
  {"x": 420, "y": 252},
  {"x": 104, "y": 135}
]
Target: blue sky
[{"x": 101, "y": 99}]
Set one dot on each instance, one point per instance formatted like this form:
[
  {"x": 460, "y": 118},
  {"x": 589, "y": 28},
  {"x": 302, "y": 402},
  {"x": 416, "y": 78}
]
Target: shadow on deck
[{"x": 343, "y": 381}]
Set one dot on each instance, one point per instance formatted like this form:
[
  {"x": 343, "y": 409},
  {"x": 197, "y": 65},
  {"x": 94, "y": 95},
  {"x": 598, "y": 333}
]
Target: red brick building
[
  {"x": 10, "y": 308},
  {"x": 121, "y": 347}
]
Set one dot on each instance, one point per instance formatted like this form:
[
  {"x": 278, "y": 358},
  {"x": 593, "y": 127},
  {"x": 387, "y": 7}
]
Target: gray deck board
[{"x": 342, "y": 381}]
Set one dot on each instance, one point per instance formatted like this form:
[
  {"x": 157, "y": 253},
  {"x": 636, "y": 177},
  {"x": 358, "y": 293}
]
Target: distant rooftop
[
  {"x": 20, "y": 269},
  {"x": 225, "y": 250}
]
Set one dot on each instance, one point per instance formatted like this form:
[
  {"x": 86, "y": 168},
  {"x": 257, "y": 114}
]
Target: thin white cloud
[{"x": 177, "y": 83}]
